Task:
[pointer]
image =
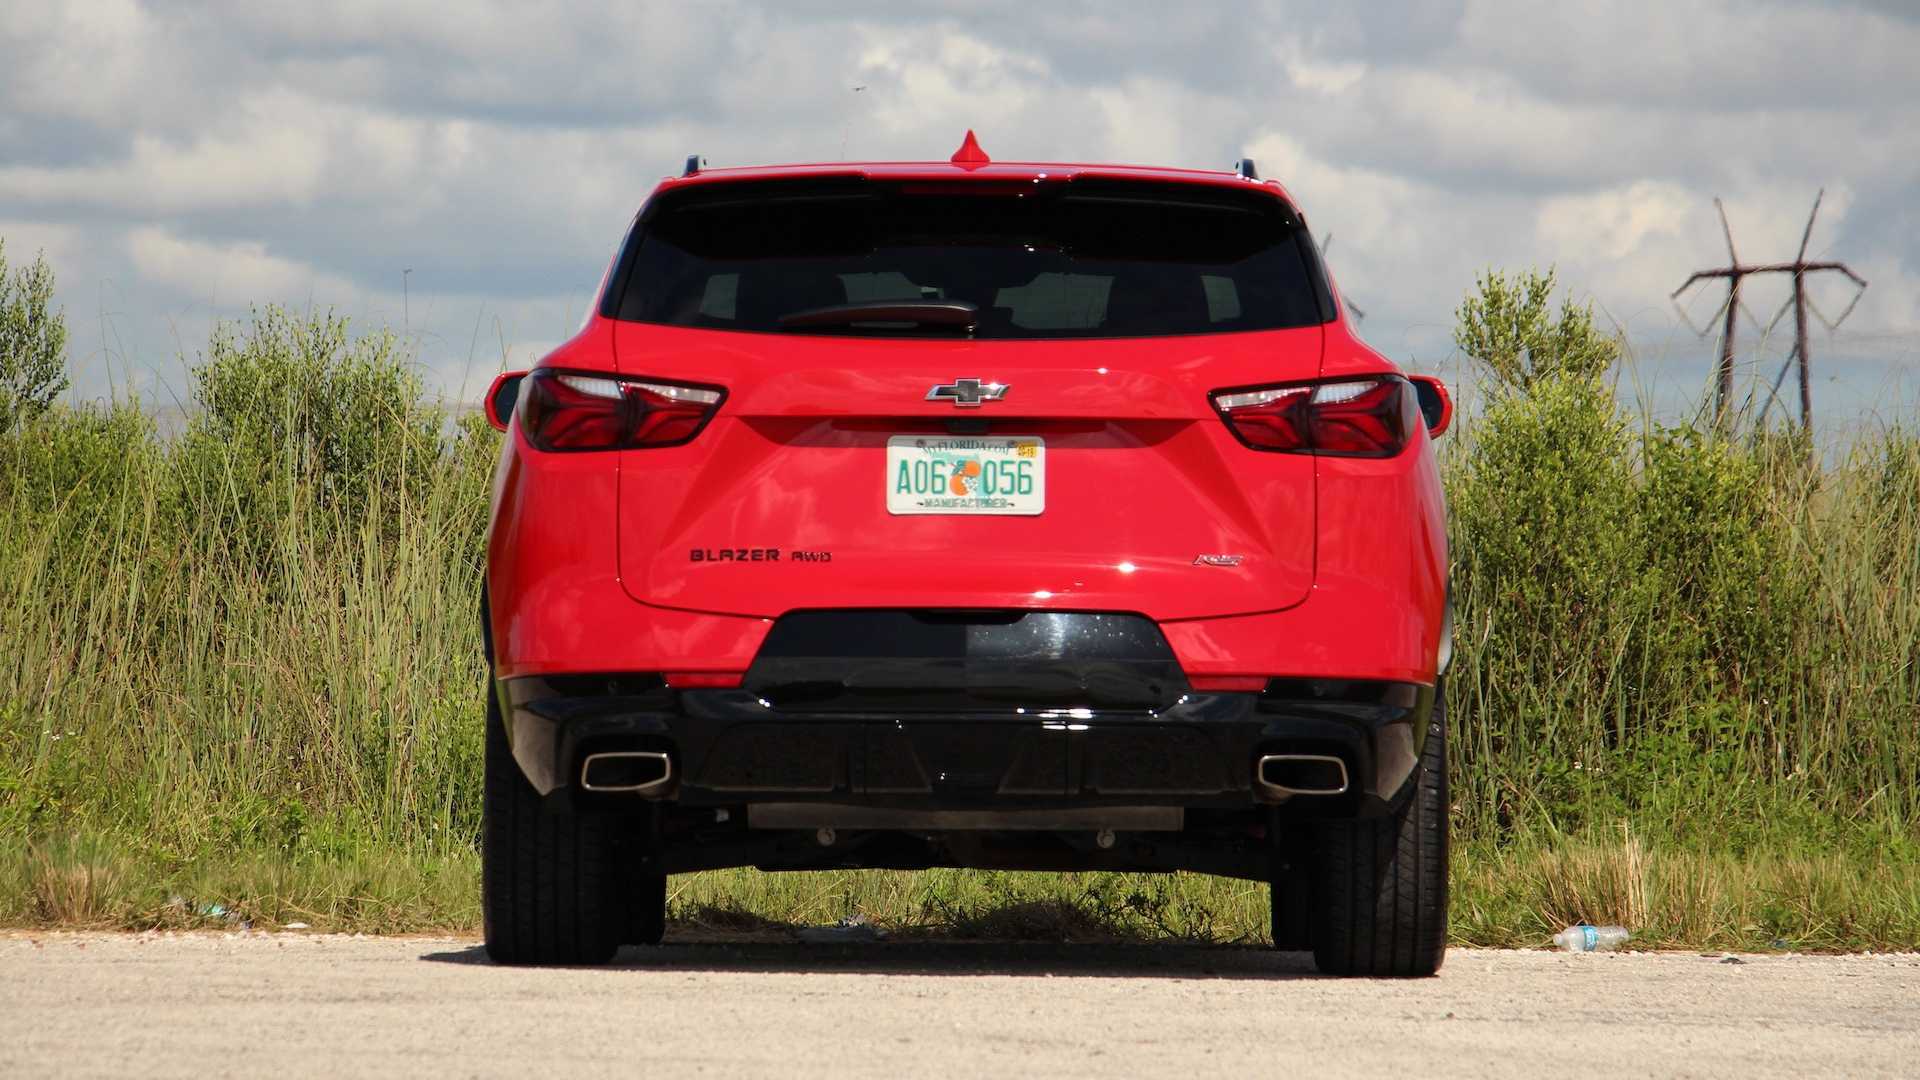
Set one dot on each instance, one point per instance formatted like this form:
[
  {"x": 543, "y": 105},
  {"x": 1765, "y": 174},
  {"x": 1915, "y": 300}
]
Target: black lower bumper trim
[{"x": 733, "y": 747}]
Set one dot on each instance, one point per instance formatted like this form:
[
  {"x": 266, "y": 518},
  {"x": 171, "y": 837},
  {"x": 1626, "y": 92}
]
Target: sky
[{"x": 462, "y": 173}]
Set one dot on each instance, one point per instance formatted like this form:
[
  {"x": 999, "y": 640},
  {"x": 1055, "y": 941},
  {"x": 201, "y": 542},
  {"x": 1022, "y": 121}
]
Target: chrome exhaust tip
[
  {"x": 1287, "y": 775},
  {"x": 627, "y": 772}
]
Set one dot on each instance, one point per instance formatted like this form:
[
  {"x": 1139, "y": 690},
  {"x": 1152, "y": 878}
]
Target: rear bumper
[{"x": 730, "y": 748}]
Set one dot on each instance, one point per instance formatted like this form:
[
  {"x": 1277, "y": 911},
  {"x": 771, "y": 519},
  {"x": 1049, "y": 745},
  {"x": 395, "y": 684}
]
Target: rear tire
[
  {"x": 548, "y": 891},
  {"x": 1381, "y": 903},
  {"x": 645, "y": 886},
  {"x": 1292, "y": 881}
]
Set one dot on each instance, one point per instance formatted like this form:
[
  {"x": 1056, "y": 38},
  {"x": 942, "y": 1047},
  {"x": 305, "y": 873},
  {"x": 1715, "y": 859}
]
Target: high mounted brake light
[
  {"x": 1371, "y": 416},
  {"x": 576, "y": 410}
]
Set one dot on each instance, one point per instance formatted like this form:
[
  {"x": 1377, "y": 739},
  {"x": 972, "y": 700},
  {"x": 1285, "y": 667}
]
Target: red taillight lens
[
  {"x": 1366, "y": 417},
  {"x": 573, "y": 410},
  {"x": 1271, "y": 419}
]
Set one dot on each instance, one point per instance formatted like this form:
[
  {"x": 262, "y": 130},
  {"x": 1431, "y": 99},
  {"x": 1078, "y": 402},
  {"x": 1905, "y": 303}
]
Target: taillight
[
  {"x": 1373, "y": 416},
  {"x": 575, "y": 410}
]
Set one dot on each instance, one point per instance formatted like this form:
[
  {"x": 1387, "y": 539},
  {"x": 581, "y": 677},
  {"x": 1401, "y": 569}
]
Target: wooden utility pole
[{"x": 1734, "y": 271}]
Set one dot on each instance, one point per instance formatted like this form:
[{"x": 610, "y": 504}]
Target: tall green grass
[
  {"x": 257, "y": 637},
  {"x": 242, "y": 666}
]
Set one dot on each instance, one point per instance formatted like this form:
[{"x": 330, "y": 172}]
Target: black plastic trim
[{"x": 732, "y": 747}]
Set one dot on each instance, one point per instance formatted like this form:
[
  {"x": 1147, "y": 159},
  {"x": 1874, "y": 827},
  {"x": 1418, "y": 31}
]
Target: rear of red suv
[{"x": 967, "y": 514}]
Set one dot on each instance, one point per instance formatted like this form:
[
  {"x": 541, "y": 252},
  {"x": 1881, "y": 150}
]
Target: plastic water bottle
[{"x": 1584, "y": 938}]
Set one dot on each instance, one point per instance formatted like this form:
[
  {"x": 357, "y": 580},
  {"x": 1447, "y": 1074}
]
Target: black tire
[
  {"x": 648, "y": 923},
  {"x": 548, "y": 879},
  {"x": 1381, "y": 896},
  {"x": 645, "y": 888},
  {"x": 1293, "y": 889}
]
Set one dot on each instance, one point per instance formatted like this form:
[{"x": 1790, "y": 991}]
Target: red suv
[{"x": 967, "y": 513}]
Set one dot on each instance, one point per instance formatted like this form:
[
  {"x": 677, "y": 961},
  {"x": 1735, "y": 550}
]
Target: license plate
[{"x": 961, "y": 474}]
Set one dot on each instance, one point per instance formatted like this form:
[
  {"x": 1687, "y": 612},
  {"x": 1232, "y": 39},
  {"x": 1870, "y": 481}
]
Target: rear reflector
[
  {"x": 1373, "y": 416},
  {"x": 577, "y": 410},
  {"x": 1224, "y": 684},
  {"x": 703, "y": 680}
]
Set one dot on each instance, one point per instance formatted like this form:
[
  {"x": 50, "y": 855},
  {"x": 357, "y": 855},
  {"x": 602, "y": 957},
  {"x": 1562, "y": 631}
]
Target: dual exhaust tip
[
  {"x": 627, "y": 772},
  {"x": 1286, "y": 775}
]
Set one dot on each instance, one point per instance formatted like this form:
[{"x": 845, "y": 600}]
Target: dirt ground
[{"x": 293, "y": 1004}]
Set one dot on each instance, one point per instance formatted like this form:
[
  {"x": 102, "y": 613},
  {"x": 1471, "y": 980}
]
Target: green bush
[
  {"x": 76, "y": 460},
  {"x": 1548, "y": 554},
  {"x": 1507, "y": 327},
  {"x": 1728, "y": 592},
  {"x": 33, "y": 342},
  {"x": 300, "y": 429}
]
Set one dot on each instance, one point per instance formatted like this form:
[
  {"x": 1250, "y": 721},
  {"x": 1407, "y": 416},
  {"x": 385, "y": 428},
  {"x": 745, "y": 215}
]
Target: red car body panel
[
  {"x": 1342, "y": 569},
  {"x": 797, "y": 458}
]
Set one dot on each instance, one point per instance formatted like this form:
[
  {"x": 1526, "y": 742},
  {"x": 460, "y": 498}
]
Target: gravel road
[{"x": 299, "y": 1005}]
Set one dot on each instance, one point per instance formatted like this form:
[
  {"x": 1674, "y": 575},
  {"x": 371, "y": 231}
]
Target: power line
[{"x": 1734, "y": 272}]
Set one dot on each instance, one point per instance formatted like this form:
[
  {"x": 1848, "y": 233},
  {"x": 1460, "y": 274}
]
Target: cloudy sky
[{"x": 463, "y": 177}]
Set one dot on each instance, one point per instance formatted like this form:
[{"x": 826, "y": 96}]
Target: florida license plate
[{"x": 961, "y": 474}]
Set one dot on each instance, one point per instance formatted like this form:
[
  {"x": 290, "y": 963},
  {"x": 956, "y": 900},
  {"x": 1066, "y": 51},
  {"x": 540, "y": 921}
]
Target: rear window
[{"x": 1079, "y": 259}]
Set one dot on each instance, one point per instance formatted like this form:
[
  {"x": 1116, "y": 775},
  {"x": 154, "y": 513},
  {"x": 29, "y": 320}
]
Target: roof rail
[
  {"x": 694, "y": 164},
  {"x": 1246, "y": 170}
]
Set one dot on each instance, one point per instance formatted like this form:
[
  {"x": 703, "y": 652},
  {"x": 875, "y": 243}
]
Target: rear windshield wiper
[{"x": 954, "y": 313}]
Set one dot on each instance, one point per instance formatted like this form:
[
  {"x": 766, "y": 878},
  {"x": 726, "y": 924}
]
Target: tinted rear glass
[{"x": 1083, "y": 259}]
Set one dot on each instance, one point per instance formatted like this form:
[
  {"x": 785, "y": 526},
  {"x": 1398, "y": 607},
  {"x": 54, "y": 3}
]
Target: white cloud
[
  {"x": 1719, "y": 54},
  {"x": 1616, "y": 222},
  {"x": 80, "y": 61},
  {"x": 279, "y": 148},
  {"x": 27, "y": 240},
  {"x": 226, "y": 272}
]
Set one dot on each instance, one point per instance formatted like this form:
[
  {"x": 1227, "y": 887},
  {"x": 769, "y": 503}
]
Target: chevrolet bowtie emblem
[{"x": 968, "y": 392}]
